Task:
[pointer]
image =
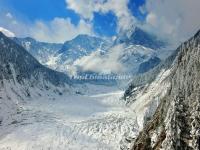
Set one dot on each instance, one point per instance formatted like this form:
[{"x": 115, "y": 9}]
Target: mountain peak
[
  {"x": 138, "y": 29},
  {"x": 142, "y": 37},
  {"x": 84, "y": 43},
  {"x": 26, "y": 67},
  {"x": 138, "y": 36},
  {"x": 82, "y": 36},
  {"x": 85, "y": 37}
]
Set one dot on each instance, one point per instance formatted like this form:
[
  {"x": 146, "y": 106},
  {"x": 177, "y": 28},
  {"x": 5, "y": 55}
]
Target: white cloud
[
  {"x": 84, "y": 8},
  {"x": 102, "y": 64},
  {"x": 151, "y": 19},
  {"x": 62, "y": 29},
  {"x": 87, "y": 9},
  {"x": 178, "y": 19},
  {"x": 59, "y": 30},
  {"x": 56, "y": 30}
]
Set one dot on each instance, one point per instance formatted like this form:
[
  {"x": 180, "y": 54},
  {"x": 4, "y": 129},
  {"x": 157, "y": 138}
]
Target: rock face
[{"x": 176, "y": 122}]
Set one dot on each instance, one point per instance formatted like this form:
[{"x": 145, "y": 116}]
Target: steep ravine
[{"x": 176, "y": 122}]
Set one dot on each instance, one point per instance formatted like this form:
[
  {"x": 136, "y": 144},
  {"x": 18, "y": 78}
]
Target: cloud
[
  {"x": 59, "y": 30},
  {"x": 177, "y": 19},
  {"x": 84, "y": 8},
  {"x": 87, "y": 9},
  {"x": 151, "y": 19},
  {"x": 108, "y": 63},
  {"x": 62, "y": 29},
  {"x": 56, "y": 30}
]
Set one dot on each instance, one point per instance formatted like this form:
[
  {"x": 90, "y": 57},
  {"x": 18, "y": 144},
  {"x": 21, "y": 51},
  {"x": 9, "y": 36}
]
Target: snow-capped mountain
[
  {"x": 42, "y": 51},
  {"x": 119, "y": 59},
  {"x": 80, "y": 46},
  {"x": 140, "y": 37},
  {"x": 25, "y": 65},
  {"x": 142, "y": 51},
  {"x": 36, "y": 109},
  {"x": 135, "y": 55},
  {"x": 85, "y": 53},
  {"x": 61, "y": 56},
  {"x": 137, "y": 36},
  {"x": 23, "y": 77},
  {"x": 167, "y": 102},
  {"x": 130, "y": 53},
  {"x": 133, "y": 48}
]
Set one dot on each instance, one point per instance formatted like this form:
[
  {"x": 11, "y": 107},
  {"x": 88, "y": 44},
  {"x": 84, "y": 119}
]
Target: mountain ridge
[
  {"x": 12, "y": 53},
  {"x": 138, "y": 36},
  {"x": 175, "y": 124},
  {"x": 23, "y": 78},
  {"x": 42, "y": 51}
]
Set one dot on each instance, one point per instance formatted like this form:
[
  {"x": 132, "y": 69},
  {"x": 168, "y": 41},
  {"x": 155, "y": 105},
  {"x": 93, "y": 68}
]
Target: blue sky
[
  {"x": 104, "y": 24},
  {"x": 49, "y": 9},
  {"x": 61, "y": 20},
  {"x": 40, "y": 9}
]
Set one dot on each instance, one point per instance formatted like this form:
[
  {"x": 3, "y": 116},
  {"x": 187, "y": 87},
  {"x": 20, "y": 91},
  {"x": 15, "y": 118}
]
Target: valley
[
  {"x": 77, "y": 83},
  {"x": 96, "y": 120}
]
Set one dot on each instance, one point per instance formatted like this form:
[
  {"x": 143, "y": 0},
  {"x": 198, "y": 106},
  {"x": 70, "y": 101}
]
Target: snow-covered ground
[
  {"x": 147, "y": 100},
  {"x": 95, "y": 120}
]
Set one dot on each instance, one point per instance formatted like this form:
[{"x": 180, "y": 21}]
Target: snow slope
[
  {"x": 43, "y": 52},
  {"x": 96, "y": 120},
  {"x": 147, "y": 99}
]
